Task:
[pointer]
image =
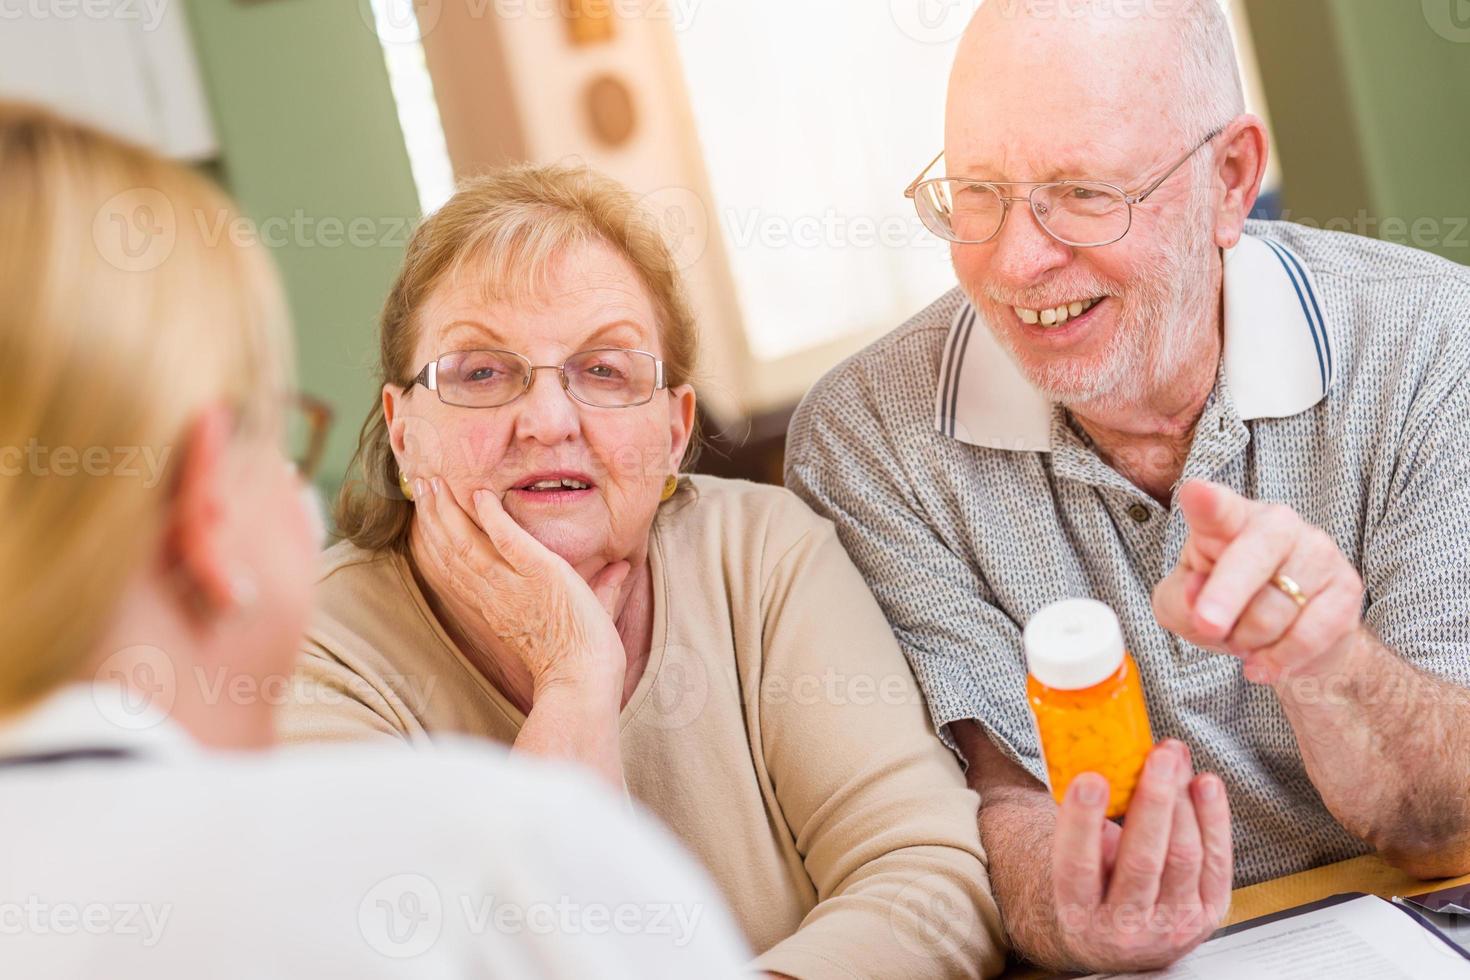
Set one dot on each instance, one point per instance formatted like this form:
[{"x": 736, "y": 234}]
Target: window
[
  {"x": 813, "y": 117},
  {"x": 413, "y": 91}
]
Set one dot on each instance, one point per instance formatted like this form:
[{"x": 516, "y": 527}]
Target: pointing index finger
[{"x": 1214, "y": 512}]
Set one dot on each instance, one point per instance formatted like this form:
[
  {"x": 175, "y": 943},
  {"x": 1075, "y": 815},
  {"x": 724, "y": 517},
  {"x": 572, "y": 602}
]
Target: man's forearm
[
  {"x": 1017, "y": 828},
  {"x": 1388, "y": 748},
  {"x": 1017, "y": 825}
]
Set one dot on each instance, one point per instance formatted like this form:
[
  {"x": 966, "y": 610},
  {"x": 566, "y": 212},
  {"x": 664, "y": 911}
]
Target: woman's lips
[
  {"x": 552, "y": 488},
  {"x": 549, "y": 497}
]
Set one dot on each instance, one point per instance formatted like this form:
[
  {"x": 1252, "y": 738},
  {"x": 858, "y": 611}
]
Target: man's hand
[
  {"x": 1141, "y": 896},
  {"x": 1223, "y": 593}
]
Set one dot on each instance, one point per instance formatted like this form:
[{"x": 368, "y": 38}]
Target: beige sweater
[{"x": 777, "y": 731}]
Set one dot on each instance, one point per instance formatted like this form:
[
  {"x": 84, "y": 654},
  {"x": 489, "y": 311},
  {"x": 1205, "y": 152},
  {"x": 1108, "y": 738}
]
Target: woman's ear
[
  {"x": 412, "y": 438},
  {"x": 396, "y": 424},
  {"x": 196, "y": 540},
  {"x": 681, "y": 423},
  {"x": 392, "y": 395}
]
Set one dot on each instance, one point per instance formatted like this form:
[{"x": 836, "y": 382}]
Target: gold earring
[
  {"x": 671, "y": 487},
  {"x": 404, "y": 485}
]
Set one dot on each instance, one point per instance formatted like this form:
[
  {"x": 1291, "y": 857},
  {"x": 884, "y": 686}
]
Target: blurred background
[{"x": 773, "y": 139}]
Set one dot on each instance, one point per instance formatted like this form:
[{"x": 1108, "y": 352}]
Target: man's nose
[
  {"x": 1023, "y": 253},
  {"x": 546, "y": 412}
]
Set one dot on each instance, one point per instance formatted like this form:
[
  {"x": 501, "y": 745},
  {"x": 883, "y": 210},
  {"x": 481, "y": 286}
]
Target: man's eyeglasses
[
  {"x": 611, "y": 377},
  {"x": 1080, "y": 213}
]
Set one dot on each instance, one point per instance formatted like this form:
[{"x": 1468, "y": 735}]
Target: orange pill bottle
[{"x": 1087, "y": 699}]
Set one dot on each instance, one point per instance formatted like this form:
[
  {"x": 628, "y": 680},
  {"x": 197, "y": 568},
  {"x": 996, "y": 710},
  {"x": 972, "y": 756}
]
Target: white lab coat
[{"x": 357, "y": 862}]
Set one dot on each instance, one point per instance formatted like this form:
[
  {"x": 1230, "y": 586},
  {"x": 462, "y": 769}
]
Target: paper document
[{"x": 1361, "y": 939}]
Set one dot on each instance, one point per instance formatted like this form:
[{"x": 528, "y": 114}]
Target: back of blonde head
[{"x": 120, "y": 320}]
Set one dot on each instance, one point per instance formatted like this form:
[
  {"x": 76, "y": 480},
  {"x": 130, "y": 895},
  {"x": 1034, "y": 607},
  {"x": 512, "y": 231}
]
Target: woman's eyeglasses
[{"x": 611, "y": 377}]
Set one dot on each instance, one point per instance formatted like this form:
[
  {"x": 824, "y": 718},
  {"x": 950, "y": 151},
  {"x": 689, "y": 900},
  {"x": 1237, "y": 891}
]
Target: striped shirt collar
[{"x": 1278, "y": 357}]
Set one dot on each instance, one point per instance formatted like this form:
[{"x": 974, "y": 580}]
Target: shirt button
[{"x": 1140, "y": 513}]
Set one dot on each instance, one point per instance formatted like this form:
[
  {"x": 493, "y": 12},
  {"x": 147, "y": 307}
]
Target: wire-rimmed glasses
[
  {"x": 607, "y": 377},
  {"x": 1079, "y": 213}
]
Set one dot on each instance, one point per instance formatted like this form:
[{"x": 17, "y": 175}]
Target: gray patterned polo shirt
[{"x": 969, "y": 503}]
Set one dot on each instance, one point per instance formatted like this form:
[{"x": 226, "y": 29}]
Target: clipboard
[{"x": 1332, "y": 900}]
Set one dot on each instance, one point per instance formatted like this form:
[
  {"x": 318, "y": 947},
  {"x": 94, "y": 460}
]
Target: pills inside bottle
[{"x": 1087, "y": 699}]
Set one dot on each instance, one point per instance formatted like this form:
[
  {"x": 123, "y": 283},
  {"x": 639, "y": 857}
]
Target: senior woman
[{"x": 524, "y": 562}]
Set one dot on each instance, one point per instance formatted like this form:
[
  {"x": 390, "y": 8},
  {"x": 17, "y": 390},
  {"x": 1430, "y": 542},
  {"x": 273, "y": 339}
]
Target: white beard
[{"x": 1162, "y": 310}]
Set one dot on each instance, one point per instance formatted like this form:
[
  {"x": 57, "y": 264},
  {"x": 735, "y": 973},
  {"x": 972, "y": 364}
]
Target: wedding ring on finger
[{"x": 1288, "y": 586}]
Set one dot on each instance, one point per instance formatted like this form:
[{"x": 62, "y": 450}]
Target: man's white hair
[
  {"x": 1206, "y": 91},
  {"x": 1210, "y": 92}
]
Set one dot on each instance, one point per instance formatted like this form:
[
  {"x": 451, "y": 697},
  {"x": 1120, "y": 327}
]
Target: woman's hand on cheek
[{"x": 530, "y": 602}]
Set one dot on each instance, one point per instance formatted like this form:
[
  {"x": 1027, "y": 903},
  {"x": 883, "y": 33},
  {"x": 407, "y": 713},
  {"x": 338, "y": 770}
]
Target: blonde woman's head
[
  {"x": 143, "y": 365},
  {"x": 546, "y": 263}
]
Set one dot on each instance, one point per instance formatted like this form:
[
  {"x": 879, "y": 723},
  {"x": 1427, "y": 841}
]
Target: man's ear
[
  {"x": 1241, "y": 166},
  {"x": 195, "y": 549},
  {"x": 681, "y": 423}
]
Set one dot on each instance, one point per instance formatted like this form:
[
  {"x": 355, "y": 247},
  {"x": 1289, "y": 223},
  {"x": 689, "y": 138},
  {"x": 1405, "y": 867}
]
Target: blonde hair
[
  {"x": 120, "y": 320},
  {"x": 506, "y": 230}
]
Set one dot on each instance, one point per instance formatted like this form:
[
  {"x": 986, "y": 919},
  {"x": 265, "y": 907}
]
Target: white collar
[
  {"x": 1278, "y": 356},
  {"x": 94, "y": 716}
]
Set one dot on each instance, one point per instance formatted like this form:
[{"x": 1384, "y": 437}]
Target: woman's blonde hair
[
  {"x": 121, "y": 318},
  {"x": 505, "y": 231}
]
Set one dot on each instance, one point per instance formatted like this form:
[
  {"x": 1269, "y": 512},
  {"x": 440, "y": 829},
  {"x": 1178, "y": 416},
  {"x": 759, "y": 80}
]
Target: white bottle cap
[{"x": 1073, "y": 644}]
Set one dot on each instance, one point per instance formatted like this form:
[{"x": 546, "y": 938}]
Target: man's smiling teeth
[
  {"x": 565, "y": 484},
  {"x": 1058, "y": 316}
]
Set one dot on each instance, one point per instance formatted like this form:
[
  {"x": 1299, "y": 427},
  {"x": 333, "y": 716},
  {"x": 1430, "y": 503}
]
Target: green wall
[
  {"x": 1371, "y": 105},
  {"x": 311, "y": 147}
]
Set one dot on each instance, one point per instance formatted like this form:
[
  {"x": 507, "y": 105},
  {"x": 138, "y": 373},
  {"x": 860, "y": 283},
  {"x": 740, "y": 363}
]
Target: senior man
[{"x": 1246, "y": 437}]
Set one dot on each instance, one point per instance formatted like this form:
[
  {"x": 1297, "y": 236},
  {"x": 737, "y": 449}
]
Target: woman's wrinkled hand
[{"x": 530, "y": 602}]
